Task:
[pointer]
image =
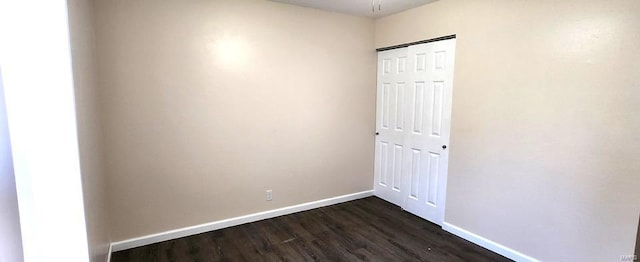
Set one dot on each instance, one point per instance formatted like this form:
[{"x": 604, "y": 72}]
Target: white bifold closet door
[{"x": 413, "y": 119}]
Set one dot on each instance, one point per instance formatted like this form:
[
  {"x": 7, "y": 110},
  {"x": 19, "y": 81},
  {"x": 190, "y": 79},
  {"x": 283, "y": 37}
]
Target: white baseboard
[
  {"x": 488, "y": 244},
  {"x": 109, "y": 251},
  {"x": 197, "y": 229}
]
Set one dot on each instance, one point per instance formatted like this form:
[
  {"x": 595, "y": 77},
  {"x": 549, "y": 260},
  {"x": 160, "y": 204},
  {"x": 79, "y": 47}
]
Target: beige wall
[
  {"x": 81, "y": 28},
  {"x": 207, "y": 104},
  {"x": 10, "y": 236},
  {"x": 546, "y": 113}
]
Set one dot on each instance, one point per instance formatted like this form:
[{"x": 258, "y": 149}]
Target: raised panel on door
[
  {"x": 430, "y": 84},
  {"x": 390, "y": 125}
]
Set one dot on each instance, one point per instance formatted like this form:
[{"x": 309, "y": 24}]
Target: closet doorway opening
[{"x": 413, "y": 122}]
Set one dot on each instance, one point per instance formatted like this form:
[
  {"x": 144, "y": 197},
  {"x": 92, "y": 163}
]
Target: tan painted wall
[
  {"x": 546, "y": 113},
  {"x": 207, "y": 104},
  {"x": 81, "y": 29},
  {"x": 10, "y": 235}
]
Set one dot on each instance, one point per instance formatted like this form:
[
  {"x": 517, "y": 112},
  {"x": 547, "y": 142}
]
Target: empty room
[{"x": 319, "y": 130}]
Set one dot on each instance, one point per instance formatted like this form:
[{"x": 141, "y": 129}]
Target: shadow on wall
[{"x": 10, "y": 234}]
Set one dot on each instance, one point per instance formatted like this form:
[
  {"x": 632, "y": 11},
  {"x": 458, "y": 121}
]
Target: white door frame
[{"x": 35, "y": 55}]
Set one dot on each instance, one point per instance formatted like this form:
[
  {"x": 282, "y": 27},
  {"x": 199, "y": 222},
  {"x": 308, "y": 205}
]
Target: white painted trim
[
  {"x": 109, "y": 252},
  {"x": 215, "y": 225},
  {"x": 486, "y": 243}
]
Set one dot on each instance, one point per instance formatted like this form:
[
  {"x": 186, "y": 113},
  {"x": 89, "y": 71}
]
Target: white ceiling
[{"x": 360, "y": 7}]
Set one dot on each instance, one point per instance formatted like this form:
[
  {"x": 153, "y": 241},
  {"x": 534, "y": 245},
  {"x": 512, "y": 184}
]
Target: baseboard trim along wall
[
  {"x": 197, "y": 229},
  {"x": 486, "y": 243}
]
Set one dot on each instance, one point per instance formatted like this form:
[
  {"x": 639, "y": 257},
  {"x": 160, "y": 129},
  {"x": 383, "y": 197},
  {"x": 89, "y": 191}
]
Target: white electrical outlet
[{"x": 269, "y": 195}]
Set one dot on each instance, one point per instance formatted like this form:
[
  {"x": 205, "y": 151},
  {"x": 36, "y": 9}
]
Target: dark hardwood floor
[
  {"x": 637, "y": 252},
  {"x": 368, "y": 229}
]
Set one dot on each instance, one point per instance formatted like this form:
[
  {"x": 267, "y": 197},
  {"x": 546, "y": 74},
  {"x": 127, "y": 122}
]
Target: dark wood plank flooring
[
  {"x": 368, "y": 229},
  {"x": 637, "y": 252}
]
